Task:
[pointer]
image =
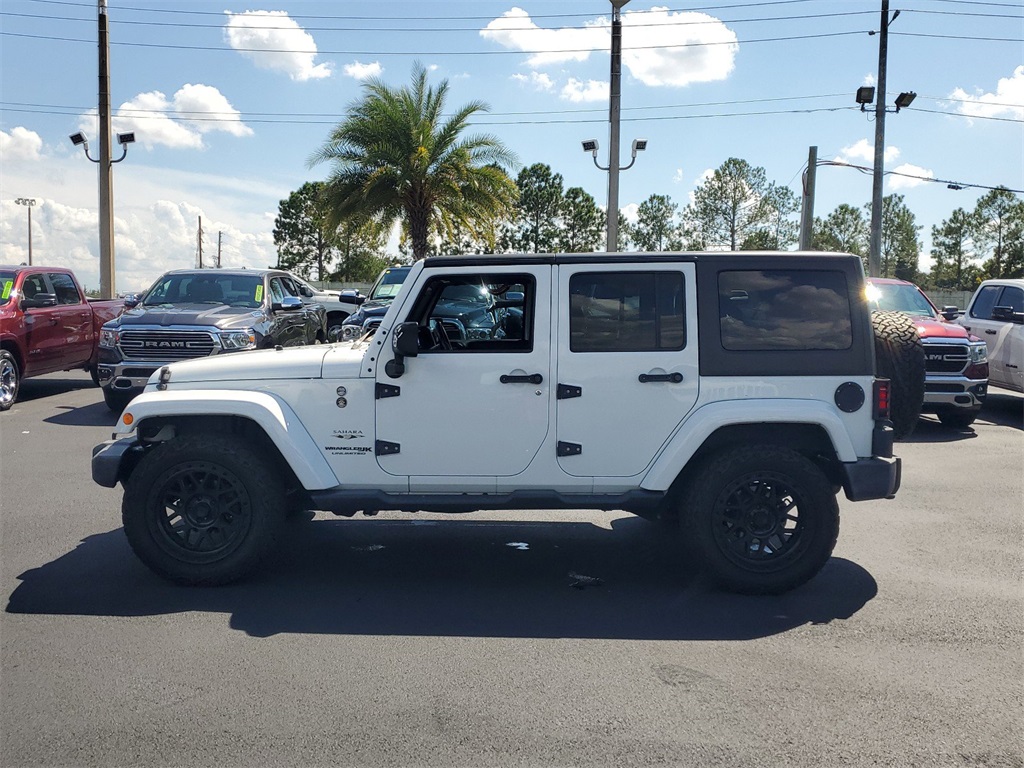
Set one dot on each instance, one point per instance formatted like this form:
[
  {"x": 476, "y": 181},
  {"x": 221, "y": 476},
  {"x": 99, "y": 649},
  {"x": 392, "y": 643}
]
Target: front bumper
[
  {"x": 112, "y": 459},
  {"x": 874, "y": 478},
  {"x": 127, "y": 376}
]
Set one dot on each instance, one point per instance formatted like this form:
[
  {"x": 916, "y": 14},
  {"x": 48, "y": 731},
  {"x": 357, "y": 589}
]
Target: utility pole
[
  {"x": 614, "y": 112},
  {"x": 807, "y": 207},
  {"x": 219, "y": 233},
  {"x": 199, "y": 241},
  {"x": 28, "y": 202},
  {"x": 107, "y": 283},
  {"x": 875, "y": 242}
]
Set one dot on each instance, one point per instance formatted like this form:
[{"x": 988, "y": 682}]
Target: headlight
[
  {"x": 479, "y": 334},
  {"x": 351, "y": 332},
  {"x": 109, "y": 339},
  {"x": 979, "y": 353},
  {"x": 233, "y": 340}
]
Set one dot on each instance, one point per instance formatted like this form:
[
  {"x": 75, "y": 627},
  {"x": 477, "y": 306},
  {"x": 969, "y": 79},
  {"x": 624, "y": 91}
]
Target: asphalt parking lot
[{"x": 547, "y": 639}]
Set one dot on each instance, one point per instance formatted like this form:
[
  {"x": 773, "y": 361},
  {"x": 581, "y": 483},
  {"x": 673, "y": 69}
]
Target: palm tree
[{"x": 396, "y": 156}]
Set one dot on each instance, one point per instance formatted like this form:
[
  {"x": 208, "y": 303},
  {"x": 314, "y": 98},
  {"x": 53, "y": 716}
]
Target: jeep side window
[
  {"x": 784, "y": 310},
  {"x": 626, "y": 312},
  {"x": 476, "y": 313}
]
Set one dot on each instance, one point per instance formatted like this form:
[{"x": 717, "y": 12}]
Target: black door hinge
[
  {"x": 566, "y": 391},
  {"x": 386, "y": 390},
  {"x": 384, "y": 448},
  {"x": 568, "y": 449}
]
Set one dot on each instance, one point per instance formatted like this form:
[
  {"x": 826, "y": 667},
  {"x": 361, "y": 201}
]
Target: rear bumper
[{"x": 874, "y": 478}]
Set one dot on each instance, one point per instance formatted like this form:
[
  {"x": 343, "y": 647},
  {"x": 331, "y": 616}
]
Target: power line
[{"x": 951, "y": 184}]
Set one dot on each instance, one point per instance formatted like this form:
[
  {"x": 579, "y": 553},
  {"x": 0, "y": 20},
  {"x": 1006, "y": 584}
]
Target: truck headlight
[
  {"x": 351, "y": 332},
  {"x": 979, "y": 353},
  {"x": 109, "y": 338},
  {"x": 233, "y": 340}
]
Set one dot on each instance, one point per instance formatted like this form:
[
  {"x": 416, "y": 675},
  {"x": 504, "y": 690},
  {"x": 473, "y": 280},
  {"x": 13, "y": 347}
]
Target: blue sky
[{"x": 229, "y": 100}]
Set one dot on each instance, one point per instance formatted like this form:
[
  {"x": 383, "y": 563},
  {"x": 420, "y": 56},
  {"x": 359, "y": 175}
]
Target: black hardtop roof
[{"x": 501, "y": 259}]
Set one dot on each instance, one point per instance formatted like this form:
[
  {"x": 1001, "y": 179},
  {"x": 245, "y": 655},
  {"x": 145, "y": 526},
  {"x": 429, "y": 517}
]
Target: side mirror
[
  {"x": 305, "y": 291},
  {"x": 950, "y": 313},
  {"x": 131, "y": 301},
  {"x": 40, "y": 300},
  {"x": 1006, "y": 314},
  {"x": 287, "y": 304},
  {"x": 404, "y": 343}
]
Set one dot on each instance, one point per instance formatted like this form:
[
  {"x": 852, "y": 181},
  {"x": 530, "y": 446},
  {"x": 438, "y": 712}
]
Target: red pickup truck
[{"x": 46, "y": 324}]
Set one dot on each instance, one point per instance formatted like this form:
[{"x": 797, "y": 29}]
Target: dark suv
[{"x": 195, "y": 313}]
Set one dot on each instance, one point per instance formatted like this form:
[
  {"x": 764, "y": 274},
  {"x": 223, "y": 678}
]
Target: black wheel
[
  {"x": 957, "y": 418},
  {"x": 116, "y": 400},
  {"x": 203, "y": 509},
  {"x": 899, "y": 357},
  {"x": 94, "y": 374},
  {"x": 10, "y": 380},
  {"x": 764, "y": 518}
]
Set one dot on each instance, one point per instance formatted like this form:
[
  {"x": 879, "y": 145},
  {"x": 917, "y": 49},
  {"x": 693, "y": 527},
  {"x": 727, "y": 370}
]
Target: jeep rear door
[
  {"x": 473, "y": 404},
  {"x": 627, "y": 363}
]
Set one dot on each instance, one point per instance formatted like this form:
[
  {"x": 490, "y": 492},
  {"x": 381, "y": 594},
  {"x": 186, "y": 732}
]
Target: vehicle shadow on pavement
[
  {"x": 452, "y": 578},
  {"x": 49, "y": 386},
  {"x": 1004, "y": 409},
  {"x": 95, "y": 415}
]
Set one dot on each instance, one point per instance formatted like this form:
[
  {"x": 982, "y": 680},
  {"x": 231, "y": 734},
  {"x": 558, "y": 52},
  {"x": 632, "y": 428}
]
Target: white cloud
[
  {"x": 629, "y": 211},
  {"x": 905, "y": 182},
  {"x": 537, "y": 80},
  {"x": 864, "y": 151},
  {"x": 1007, "y": 101},
  {"x": 272, "y": 40},
  {"x": 20, "y": 144},
  {"x": 361, "y": 71},
  {"x": 677, "y": 177},
  {"x": 661, "y": 47},
  {"x": 178, "y": 123},
  {"x": 517, "y": 31},
  {"x": 869, "y": 79},
  {"x": 592, "y": 90},
  {"x": 665, "y": 48}
]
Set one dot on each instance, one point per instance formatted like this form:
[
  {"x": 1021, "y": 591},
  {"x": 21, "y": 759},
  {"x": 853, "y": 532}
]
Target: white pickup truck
[
  {"x": 339, "y": 305},
  {"x": 996, "y": 314}
]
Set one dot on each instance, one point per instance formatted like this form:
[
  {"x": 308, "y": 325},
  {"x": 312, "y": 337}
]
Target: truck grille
[
  {"x": 946, "y": 358},
  {"x": 166, "y": 346}
]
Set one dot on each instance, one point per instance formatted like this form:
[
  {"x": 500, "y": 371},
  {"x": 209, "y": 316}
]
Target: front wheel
[
  {"x": 203, "y": 509},
  {"x": 958, "y": 418},
  {"x": 116, "y": 400},
  {"x": 764, "y": 518},
  {"x": 10, "y": 380}
]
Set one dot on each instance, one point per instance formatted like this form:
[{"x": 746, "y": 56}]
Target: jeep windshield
[
  {"x": 206, "y": 287},
  {"x": 389, "y": 283}
]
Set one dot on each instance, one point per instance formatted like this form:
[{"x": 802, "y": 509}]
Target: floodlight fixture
[
  {"x": 590, "y": 145},
  {"x": 865, "y": 95},
  {"x": 905, "y": 99},
  {"x": 125, "y": 138},
  {"x": 639, "y": 145},
  {"x": 79, "y": 138}
]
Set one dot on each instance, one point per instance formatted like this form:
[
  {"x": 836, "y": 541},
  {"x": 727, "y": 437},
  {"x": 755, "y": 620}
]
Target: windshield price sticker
[
  {"x": 259, "y": 293},
  {"x": 6, "y": 293}
]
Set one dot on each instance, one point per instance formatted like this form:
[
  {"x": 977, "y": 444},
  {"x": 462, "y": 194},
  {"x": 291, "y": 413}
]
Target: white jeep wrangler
[{"x": 731, "y": 392}]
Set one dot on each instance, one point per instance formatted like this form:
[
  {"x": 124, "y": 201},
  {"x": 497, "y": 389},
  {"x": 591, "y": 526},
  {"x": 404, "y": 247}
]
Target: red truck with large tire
[{"x": 47, "y": 324}]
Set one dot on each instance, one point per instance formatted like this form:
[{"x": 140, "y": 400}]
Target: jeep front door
[
  {"x": 474, "y": 402},
  {"x": 627, "y": 363}
]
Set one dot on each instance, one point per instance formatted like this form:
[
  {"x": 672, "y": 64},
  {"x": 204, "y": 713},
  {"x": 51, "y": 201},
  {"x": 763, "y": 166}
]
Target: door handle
[
  {"x": 673, "y": 378},
  {"x": 992, "y": 333},
  {"x": 533, "y": 378}
]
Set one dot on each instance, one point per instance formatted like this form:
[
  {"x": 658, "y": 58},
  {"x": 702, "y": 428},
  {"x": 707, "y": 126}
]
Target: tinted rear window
[
  {"x": 626, "y": 311},
  {"x": 784, "y": 310}
]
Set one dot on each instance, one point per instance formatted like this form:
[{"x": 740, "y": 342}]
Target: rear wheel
[
  {"x": 334, "y": 321},
  {"x": 203, "y": 509},
  {"x": 764, "y": 518},
  {"x": 899, "y": 355},
  {"x": 10, "y": 380}
]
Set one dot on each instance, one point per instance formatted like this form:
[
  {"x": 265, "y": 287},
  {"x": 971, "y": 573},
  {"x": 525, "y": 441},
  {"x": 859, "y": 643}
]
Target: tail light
[{"x": 882, "y": 394}]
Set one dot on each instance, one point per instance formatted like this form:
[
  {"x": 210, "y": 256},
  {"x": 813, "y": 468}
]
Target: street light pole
[
  {"x": 28, "y": 202},
  {"x": 613, "y": 119},
  {"x": 106, "y": 167},
  {"x": 875, "y": 240}
]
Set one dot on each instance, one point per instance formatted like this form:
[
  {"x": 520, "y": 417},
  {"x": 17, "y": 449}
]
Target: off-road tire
[
  {"x": 899, "y": 357},
  {"x": 763, "y": 518},
  {"x": 116, "y": 401},
  {"x": 10, "y": 380},
  {"x": 203, "y": 509}
]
